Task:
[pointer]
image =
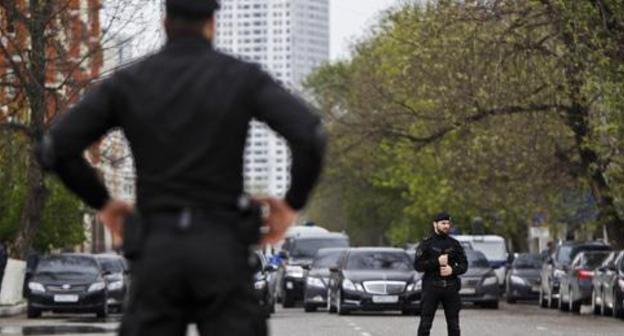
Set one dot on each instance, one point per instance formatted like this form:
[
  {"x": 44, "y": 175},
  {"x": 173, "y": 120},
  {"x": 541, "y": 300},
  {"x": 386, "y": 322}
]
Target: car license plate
[
  {"x": 385, "y": 299},
  {"x": 65, "y": 298},
  {"x": 467, "y": 291}
]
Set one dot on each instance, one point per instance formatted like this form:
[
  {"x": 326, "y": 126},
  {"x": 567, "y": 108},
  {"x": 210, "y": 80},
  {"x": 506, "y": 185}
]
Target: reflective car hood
[
  {"x": 477, "y": 272},
  {"x": 368, "y": 275},
  {"x": 528, "y": 273},
  {"x": 319, "y": 272}
]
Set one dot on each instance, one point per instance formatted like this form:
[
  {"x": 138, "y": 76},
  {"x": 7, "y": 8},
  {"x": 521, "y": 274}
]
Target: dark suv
[
  {"x": 299, "y": 252},
  {"x": 558, "y": 264}
]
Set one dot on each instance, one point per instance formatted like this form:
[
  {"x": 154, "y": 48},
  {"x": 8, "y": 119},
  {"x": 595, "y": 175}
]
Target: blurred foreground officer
[
  {"x": 442, "y": 259},
  {"x": 186, "y": 111}
]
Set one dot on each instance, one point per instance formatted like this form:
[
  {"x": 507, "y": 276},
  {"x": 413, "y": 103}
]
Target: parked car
[
  {"x": 263, "y": 290},
  {"x": 523, "y": 278},
  {"x": 479, "y": 285},
  {"x": 493, "y": 247},
  {"x": 576, "y": 285},
  {"x": 118, "y": 280},
  {"x": 299, "y": 251},
  {"x": 317, "y": 278},
  {"x": 558, "y": 264},
  {"x": 374, "y": 278},
  {"x": 608, "y": 294},
  {"x": 68, "y": 283}
]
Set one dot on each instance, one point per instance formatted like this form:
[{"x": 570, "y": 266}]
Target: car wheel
[
  {"x": 339, "y": 308},
  {"x": 618, "y": 309},
  {"x": 287, "y": 301},
  {"x": 542, "y": 299},
  {"x": 595, "y": 307},
  {"x": 33, "y": 312}
]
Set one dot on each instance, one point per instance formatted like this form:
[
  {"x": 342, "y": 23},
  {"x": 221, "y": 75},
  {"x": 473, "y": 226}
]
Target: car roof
[
  {"x": 376, "y": 249},
  {"x": 479, "y": 238}
]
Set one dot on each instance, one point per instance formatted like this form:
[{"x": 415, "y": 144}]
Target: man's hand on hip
[
  {"x": 114, "y": 215},
  {"x": 279, "y": 218}
]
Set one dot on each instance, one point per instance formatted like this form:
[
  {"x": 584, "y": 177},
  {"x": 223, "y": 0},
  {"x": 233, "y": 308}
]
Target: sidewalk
[{"x": 6, "y": 311}]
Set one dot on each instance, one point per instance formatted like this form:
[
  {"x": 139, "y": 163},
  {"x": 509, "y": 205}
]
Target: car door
[{"x": 611, "y": 279}]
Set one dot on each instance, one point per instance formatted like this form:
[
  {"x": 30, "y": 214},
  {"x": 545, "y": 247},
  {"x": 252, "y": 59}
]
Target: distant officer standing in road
[
  {"x": 442, "y": 259},
  {"x": 186, "y": 111}
]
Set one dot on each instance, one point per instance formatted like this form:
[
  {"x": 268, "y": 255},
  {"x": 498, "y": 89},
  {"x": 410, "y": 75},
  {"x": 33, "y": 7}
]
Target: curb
[{"x": 6, "y": 311}]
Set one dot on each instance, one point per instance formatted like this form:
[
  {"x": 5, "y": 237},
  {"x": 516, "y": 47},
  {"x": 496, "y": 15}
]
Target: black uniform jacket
[
  {"x": 428, "y": 252},
  {"x": 185, "y": 111}
]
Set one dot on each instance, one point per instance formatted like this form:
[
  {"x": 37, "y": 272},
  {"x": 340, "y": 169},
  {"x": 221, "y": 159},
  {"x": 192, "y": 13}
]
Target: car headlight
[
  {"x": 348, "y": 285},
  {"x": 294, "y": 271},
  {"x": 98, "y": 286},
  {"x": 558, "y": 273},
  {"x": 517, "y": 280},
  {"x": 115, "y": 285},
  {"x": 415, "y": 286},
  {"x": 489, "y": 281},
  {"x": 315, "y": 282},
  {"x": 36, "y": 287},
  {"x": 359, "y": 287},
  {"x": 260, "y": 284}
]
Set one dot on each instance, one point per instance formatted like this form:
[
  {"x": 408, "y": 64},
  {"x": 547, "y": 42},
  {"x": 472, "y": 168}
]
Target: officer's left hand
[
  {"x": 279, "y": 218},
  {"x": 446, "y": 270}
]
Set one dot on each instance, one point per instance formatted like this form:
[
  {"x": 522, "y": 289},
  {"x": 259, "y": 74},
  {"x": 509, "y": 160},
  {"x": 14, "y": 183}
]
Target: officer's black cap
[
  {"x": 192, "y": 9},
  {"x": 442, "y": 216}
]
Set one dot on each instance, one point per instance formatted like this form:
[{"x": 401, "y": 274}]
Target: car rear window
[
  {"x": 527, "y": 261},
  {"x": 307, "y": 248},
  {"x": 379, "y": 261},
  {"x": 593, "y": 260}
]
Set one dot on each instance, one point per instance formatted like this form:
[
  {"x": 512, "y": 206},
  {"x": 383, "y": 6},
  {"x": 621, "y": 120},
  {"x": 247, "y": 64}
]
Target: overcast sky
[{"x": 350, "y": 19}]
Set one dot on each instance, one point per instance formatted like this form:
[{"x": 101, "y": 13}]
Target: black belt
[{"x": 444, "y": 282}]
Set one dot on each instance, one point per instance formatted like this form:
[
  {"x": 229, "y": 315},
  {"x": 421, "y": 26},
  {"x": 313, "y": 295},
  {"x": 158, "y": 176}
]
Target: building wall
[{"x": 288, "y": 39}]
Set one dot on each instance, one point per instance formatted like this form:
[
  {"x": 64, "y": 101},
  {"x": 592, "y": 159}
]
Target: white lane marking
[
  {"x": 366, "y": 334},
  {"x": 541, "y": 328},
  {"x": 357, "y": 328}
]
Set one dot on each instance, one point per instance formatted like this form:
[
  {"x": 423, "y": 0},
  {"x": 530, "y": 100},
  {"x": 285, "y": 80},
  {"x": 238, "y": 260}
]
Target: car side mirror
[
  {"x": 306, "y": 267},
  {"x": 334, "y": 269},
  {"x": 107, "y": 273}
]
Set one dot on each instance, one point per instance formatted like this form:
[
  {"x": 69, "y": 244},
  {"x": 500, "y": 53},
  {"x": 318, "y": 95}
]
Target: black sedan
[
  {"x": 523, "y": 278},
  {"x": 609, "y": 287},
  {"x": 263, "y": 290},
  {"x": 374, "y": 279},
  {"x": 316, "y": 281},
  {"x": 118, "y": 281},
  {"x": 479, "y": 283},
  {"x": 576, "y": 285},
  {"x": 72, "y": 283}
]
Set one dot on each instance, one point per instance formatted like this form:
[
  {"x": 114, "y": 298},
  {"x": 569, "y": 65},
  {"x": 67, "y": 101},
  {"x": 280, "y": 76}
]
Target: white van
[{"x": 494, "y": 248}]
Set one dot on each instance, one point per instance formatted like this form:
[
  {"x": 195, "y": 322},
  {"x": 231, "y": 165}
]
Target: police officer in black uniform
[
  {"x": 442, "y": 259},
  {"x": 186, "y": 112}
]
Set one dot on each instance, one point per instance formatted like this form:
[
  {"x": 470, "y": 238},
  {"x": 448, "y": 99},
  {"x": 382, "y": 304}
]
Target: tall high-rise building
[{"x": 288, "y": 39}]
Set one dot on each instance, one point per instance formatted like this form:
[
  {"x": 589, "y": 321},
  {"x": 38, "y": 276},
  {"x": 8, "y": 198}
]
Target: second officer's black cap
[{"x": 192, "y": 8}]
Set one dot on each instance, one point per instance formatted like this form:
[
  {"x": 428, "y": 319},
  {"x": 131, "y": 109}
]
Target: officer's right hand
[
  {"x": 443, "y": 260},
  {"x": 279, "y": 218},
  {"x": 113, "y": 215}
]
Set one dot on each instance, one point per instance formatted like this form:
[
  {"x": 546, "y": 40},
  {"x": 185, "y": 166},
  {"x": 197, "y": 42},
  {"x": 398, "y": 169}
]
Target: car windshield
[
  {"x": 378, "y": 260},
  {"x": 494, "y": 250},
  {"x": 564, "y": 255},
  {"x": 527, "y": 261},
  {"x": 111, "y": 265},
  {"x": 326, "y": 259},
  {"x": 68, "y": 265},
  {"x": 476, "y": 259},
  {"x": 593, "y": 260},
  {"x": 307, "y": 248}
]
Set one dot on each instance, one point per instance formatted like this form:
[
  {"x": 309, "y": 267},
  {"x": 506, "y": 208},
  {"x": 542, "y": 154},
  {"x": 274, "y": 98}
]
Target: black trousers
[
  {"x": 198, "y": 273},
  {"x": 451, "y": 302}
]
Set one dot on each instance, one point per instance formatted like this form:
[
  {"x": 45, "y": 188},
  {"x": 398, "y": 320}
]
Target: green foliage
[{"x": 482, "y": 110}]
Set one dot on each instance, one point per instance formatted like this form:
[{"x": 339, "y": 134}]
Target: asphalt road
[{"x": 509, "y": 320}]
